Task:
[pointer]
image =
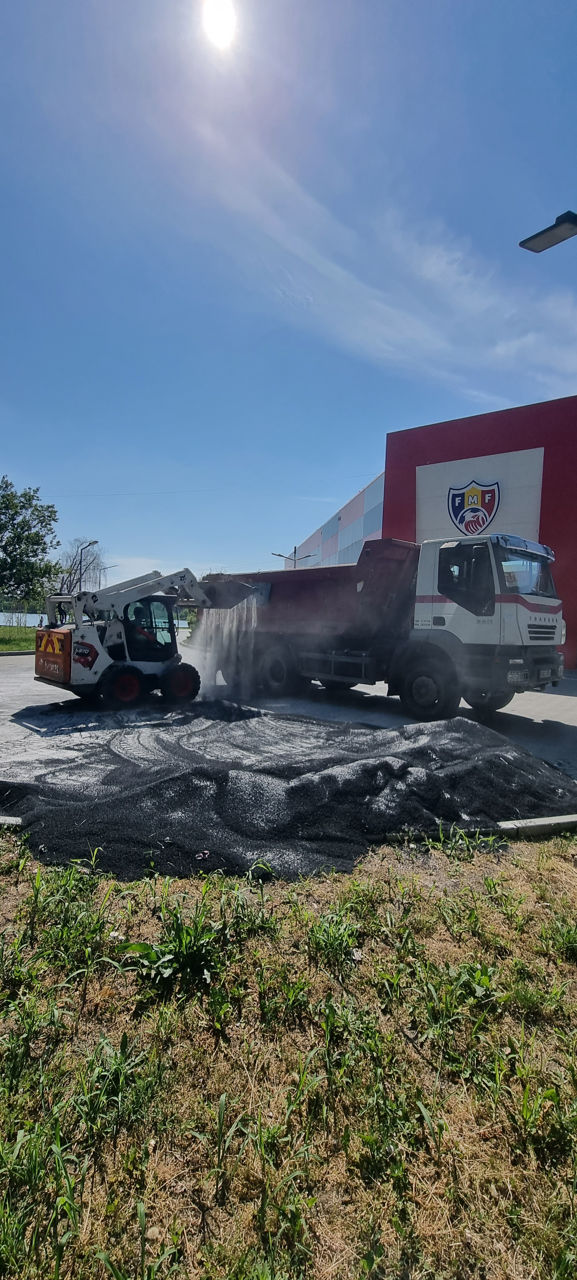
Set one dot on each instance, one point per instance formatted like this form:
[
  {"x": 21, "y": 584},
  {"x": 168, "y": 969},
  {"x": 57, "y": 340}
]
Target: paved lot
[
  {"x": 309, "y": 786},
  {"x": 543, "y": 723}
]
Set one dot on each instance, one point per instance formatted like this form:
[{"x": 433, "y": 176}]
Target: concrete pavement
[{"x": 543, "y": 723}]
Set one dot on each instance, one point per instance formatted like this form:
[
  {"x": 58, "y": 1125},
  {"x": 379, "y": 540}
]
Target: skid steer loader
[{"x": 122, "y": 642}]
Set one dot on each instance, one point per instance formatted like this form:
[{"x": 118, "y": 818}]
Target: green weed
[
  {"x": 332, "y": 941},
  {"x": 461, "y": 845},
  {"x": 190, "y": 953},
  {"x": 165, "y": 1264},
  {"x": 283, "y": 999},
  {"x": 112, "y": 1089},
  {"x": 559, "y": 938}
]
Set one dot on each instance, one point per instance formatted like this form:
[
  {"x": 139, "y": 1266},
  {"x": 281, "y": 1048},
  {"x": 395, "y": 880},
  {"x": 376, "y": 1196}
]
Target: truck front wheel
[
  {"x": 489, "y": 702},
  {"x": 430, "y": 690}
]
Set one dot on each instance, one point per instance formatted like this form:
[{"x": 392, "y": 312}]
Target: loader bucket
[{"x": 227, "y": 593}]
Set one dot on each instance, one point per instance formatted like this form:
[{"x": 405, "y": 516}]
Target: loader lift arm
[{"x": 183, "y": 588}]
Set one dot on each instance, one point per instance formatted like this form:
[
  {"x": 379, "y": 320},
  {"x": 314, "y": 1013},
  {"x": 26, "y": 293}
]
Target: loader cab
[{"x": 149, "y": 629}]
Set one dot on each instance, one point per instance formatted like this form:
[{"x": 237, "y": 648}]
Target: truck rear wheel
[
  {"x": 181, "y": 683},
  {"x": 489, "y": 702},
  {"x": 277, "y": 674},
  {"x": 121, "y": 686},
  {"x": 430, "y": 690}
]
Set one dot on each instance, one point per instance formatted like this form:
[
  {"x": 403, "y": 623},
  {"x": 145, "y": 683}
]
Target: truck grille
[{"x": 541, "y": 631}]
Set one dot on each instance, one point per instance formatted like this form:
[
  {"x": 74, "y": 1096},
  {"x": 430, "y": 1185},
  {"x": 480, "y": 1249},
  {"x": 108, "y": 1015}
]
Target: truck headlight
[{"x": 563, "y": 631}]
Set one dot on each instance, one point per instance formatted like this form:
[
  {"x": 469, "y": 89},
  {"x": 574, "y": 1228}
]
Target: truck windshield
[{"x": 524, "y": 574}]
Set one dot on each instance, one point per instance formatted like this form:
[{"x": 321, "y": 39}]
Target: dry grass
[{"x": 342, "y": 1078}]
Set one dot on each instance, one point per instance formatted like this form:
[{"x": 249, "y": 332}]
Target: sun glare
[{"x": 219, "y": 22}]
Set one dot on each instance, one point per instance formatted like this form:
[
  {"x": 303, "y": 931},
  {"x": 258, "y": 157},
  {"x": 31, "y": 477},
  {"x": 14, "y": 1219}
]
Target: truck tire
[
  {"x": 181, "y": 683},
  {"x": 238, "y": 669},
  {"x": 489, "y": 702},
  {"x": 121, "y": 686},
  {"x": 430, "y": 689},
  {"x": 277, "y": 674}
]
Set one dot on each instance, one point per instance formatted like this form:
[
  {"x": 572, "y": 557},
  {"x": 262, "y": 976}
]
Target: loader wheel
[
  {"x": 277, "y": 675},
  {"x": 181, "y": 683},
  {"x": 90, "y": 696},
  {"x": 487, "y": 703},
  {"x": 121, "y": 686},
  {"x": 430, "y": 690}
]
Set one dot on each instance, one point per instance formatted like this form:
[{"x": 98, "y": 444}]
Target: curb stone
[{"x": 539, "y": 826}]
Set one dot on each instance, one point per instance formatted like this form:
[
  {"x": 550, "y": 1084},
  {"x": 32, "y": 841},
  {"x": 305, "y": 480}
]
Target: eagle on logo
[{"x": 473, "y": 507}]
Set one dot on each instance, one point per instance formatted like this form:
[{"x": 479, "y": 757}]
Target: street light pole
[
  {"x": 82, "y": 550},
  {"x": 292, "y": 555},
  {"x": 103, "y": 569},
  {"x": 562, "y": 228}
]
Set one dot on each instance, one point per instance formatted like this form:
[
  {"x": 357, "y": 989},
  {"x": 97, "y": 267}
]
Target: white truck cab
[{"x": 490, "y": 605}]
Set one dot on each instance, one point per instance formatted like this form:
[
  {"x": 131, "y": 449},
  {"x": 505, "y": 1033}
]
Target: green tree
[{"x": 27, "y": 536}]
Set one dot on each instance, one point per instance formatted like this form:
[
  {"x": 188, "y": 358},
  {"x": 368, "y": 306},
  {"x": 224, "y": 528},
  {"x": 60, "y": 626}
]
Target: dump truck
[
  {"x": 117, "y": 643},
  {"x": 475, "y": 618}
]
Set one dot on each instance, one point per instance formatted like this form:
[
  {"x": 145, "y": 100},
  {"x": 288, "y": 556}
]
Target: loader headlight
[{"x": 563, "y": 631}]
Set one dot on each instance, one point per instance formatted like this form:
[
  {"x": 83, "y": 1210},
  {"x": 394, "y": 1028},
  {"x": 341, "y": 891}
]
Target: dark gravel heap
[{"x": 222, "y": 786}]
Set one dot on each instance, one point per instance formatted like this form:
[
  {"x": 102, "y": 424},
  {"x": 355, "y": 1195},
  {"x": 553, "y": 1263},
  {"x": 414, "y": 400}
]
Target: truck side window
[{"x": 466, "y": 577}]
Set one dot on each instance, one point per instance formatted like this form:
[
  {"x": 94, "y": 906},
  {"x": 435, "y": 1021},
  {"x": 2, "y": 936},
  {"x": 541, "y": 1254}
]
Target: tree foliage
[{"x": 27, "y": 536}]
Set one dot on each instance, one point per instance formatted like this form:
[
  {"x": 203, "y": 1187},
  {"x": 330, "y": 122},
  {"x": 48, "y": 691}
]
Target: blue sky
[{"x": 226, "y": 275}]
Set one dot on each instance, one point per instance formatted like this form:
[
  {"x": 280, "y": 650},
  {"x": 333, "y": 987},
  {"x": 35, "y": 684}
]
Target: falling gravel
[{"x": 221, "y": 785}]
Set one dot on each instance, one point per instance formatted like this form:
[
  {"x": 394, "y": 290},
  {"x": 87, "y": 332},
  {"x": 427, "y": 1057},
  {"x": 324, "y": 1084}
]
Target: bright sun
[{"x": 219, "y": 22}]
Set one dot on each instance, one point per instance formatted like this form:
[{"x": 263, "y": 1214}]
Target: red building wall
[{"x": 552, "y": 426}]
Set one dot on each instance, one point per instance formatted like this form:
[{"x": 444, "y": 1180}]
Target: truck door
[{"x": 465, "y": 604}]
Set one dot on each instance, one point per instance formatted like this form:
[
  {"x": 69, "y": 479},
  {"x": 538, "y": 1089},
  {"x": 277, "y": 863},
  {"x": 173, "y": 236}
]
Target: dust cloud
[{"x": 223, "y": 643}]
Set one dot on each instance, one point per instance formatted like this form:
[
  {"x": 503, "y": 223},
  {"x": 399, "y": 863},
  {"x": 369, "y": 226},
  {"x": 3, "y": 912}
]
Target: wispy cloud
[
  {"x": 378, "y": 283},
  {"x": 396, "y": 294}
]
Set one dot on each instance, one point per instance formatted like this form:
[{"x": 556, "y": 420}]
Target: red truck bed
[{"x": 351, "y": 601}]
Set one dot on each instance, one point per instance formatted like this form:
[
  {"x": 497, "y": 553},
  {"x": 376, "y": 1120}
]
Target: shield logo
[{"x": 473, "y": 507}]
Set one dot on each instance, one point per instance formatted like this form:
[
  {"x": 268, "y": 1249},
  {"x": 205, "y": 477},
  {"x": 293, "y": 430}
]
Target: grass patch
[
  {"x": 17, "y": 638},
  {"x": 242, "y": 1079}
]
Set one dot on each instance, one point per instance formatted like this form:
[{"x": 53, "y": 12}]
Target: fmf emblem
[{"x": 473, "y": 507}]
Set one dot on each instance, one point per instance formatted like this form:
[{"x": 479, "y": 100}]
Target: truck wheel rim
[
  {"x": 277, "y": 671},
  {"x": 425, "y": 691}
]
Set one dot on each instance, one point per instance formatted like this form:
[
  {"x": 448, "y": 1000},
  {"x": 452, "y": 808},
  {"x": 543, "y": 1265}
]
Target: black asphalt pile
[{"x": 222, "y": 786}]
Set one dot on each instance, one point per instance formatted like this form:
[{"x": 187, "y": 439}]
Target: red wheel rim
[
  {"x": 182, "y": 683},
  {"x": 126, "y": 687}
]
